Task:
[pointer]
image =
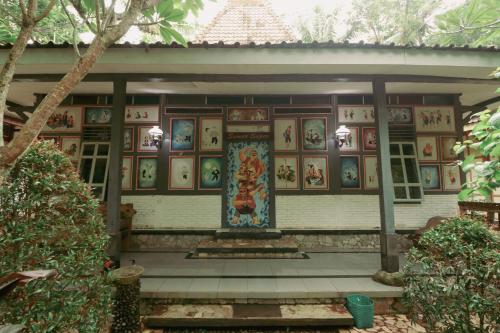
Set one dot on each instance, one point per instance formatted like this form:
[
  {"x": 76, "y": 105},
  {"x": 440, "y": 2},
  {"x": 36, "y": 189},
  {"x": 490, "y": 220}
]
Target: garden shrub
[
  {"x": 452, "y": 278},
  {"x": 49, "y": 220}
]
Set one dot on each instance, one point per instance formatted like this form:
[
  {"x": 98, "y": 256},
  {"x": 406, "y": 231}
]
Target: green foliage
[
  {"x": 452, "y": 278},
  {"x": 49, "y": 220},
  {"x": 320, "y": 28}
]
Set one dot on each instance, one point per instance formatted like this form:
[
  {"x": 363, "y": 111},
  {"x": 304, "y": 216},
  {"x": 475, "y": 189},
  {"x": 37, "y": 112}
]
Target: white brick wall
[{"x": 292, "y": 212}]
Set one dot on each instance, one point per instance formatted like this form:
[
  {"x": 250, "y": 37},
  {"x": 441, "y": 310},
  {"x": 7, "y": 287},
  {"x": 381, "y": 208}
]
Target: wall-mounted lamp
[
  {"x": 156, "y": 136},
  {"x": 342, "y": 135}
]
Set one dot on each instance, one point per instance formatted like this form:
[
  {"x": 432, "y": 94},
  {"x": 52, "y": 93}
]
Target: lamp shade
[
  {"x": 155, "y": 132},
  {"x": 342, "y": 132}
]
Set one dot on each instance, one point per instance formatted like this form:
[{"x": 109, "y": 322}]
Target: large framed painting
[
  {"x": 285, "y": 134},
  {"x": 400, "y": 115},
  {"x": 127, "y": 165},
  {"x": 356, "y": 114},
  {"x": 182, "y": 132},
  {"x": 128, "y": 139},
  {"x": 248, "y": 185},
  {"x": 371, "y": 172},
  {"x": 349, "y": 172},
  {"x": 144, "y": 141},
  {"x": 434, "y": 119},
  {"x": 98, "y": 115},
  {"x": 210, "y": 172},
  {"x": 210, "y": 134},
  {"x": 248, "y": 114},
  {"x": 147, "y": 172},
  {"x": 430, "y": 175},
  {"x": 142, "y": 114},
  {"x": 351, "y": 144},
  {"x": 65, "y": 120},
  {"x": 286, "y": 172},
  {"x": 451, "y": 178},
  {"x": 314, "y": 134},
  {"x": 369, "y": 139},
  {"x": 315, "y": 171},
  {"x": 181, "y": 173},
  {"x": 70, "y": 145},
  {"x": 427, "y": 149},
  {"x": 447, "y": 152}
]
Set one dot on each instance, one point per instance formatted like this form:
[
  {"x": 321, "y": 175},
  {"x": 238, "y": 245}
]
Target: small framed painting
[
  {"x": 211, "y": 134},
  {"x": 70, "y": 145},
  {"x": 286, "y": 172},
  {"x": 144, "y": 142},
  {"x": 128, "y": 139},
  {"x": 427, "y": 149},
  {"x": 314, "y": 134},
  {"x": 285, "y": 134},
  {"x": 349, "y": 172},
  {"x": 127, "y": 165},
  {"x": 210, "y": 177},
  {"x": 430, "y": 174},
  {"x": 147, "y": 172},
  {"x": 55, "y": 139},
  {"x": 142, "y": 114},
  {"x": 315, "y": 171},
  {"x": 65, "y": 119},
  {"x": 356, "y": 114},
  {"x": 248, "y": 114},
  {"x": 371, "y": 172},
  {"x": 98, "y": 115},
  {"x": 434, "y": 119},
  {"x": 182, "y": 132},
  {"x": 400, "y": 115},
  {"x": 369, "y": 139},
  {"x": 451, "y": 178},
  {"x": 351, "y": 144},
  {"x": 181, "y": 170},
  {"x": 447, "y": 152}
]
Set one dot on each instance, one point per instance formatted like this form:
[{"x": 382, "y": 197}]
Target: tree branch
[
  {"x": 463, "y": 28},
  {"x": 23, "y": 8},
  {"x": 45, "y": 12},
  {"x": 98, "y": 17},
  {"x": 82, "y": 15},
  {"x": 75, "y": 30}
]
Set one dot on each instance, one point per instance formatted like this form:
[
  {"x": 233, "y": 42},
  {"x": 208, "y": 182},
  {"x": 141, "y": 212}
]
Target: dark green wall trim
[{"x": 210, "y": 232}]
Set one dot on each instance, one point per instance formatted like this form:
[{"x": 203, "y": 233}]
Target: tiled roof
[{"x": 246, "y": 21}]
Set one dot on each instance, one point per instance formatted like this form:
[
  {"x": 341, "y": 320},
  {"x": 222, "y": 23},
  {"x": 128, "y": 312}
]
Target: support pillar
[
  {"x": 115, "y": 169},
  {"x": 388, "y": 244}
]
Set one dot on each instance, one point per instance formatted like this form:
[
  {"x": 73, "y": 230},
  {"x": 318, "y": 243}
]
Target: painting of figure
[
  {"x": 181, "y": 173},
  {"x": 351, "y": 143},
  {"x": 128, "y": 139},
  {"x": 97, "y": 115},
  {"x": 427, "y": 148},
  {"x": 127, "y": 173},
  {"x": 447, "y": 152},
  {"x": 400, "y": 115},
  {"x": 451, "y": 178},
  {"x": 210, "y": 172},
  {"x": 248, "y": 185},
  {"x": 430, "y": 177},
  {"x": 144, "y": 141},
  {"x": 182, "y": 131},
  {"x": 142, "y": 114},
  {"x": 314, "y": 134},
  {"x": 356, "y": 114},
  {"x": 349, "y": 172},
  {"x": 65, "y": 119},
  {"x": 285, "y": 134},
  {"x": 434, "y": 119},
  {"x": 248, "y": 114},
  {"x": 70, "y": 145},
  {"x": 211, "y": 134},
  {"x": 369, "y": 139},
  {"x": 146, "y": 173},
  {"x": 315, "y": 170},
  {"x": 286, "y": 177},
  {"x": 371, "y": 172}
]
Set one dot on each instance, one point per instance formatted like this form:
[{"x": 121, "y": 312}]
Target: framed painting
[
  {"x": 430, "y": 175},
  {"x": 65, "y": 119},
  {"x": 434, "y": 119},
  {"x": 314, "y": 134},
  {"x": 400, "y": 115},
  {"x": 371, "y": 172},
  {"x": 182, "y": 132},
  {"x": 259, "y": 128},
  {"x": 451, "y": 178},
  {"x": 285, "y": 134},
  {"x": 356, "y": 114},
  {"x": 349, "y": 172},
  {"x": 248, "y": 114},
  {"x": 181, "y": 173},
  {"x": 98, "y": 115},
  {"x": 142, "y": 114},
  {"x": 286, "y": 172},
  {"x": 128, "y": 139},
  {"x": 210, "y": 134},
  {"x": 210, "y": 172},
  {"x": 351, "y": 144},
  {"x": 427, "y": 149},
  {"x": 369, "y": 139},
  {"x": 127, "y": 166},
  {"x": 147, "y": 172},
  {"x": 315, "y": 171},
  {"x": 447, "y": 152},
  {"x": 55, "y": 139},
  {"x": 70, "y": 145},
  {"x": 144, "y": 142}
]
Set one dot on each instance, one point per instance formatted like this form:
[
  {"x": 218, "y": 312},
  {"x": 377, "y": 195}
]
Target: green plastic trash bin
[{"x": 361, "y": 309}]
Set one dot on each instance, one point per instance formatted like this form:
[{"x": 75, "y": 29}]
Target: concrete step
[{"x": 249, "y": 315}]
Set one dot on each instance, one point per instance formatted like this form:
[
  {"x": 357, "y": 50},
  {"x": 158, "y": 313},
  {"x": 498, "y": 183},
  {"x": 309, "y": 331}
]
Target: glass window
[
  {"x": 93, "y": 166},
  {"x": 405, "y": 172}
]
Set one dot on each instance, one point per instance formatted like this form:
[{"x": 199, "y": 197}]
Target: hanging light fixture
[
  {"x": 156, "y": 136},
  {"x": 342, "y": 135}
]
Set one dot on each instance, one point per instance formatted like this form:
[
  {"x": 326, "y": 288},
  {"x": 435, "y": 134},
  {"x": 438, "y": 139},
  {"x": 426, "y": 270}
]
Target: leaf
[
  {"x": 89, "y": 5},
  {"x": 465, "y": 194},
  {"x": 176, "y": 15},
  {"x": 165, "y": 7}
]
